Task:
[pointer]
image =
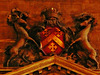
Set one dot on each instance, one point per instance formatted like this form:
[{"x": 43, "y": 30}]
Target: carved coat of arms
[{"x": 49, "y": 38}]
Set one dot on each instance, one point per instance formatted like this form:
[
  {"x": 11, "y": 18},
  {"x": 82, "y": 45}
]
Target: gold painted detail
[
  {"x": 58, "y": 41},
  {"x": 46, "y": 32},
  {"x": 52, "y": 37},
  {"x": 52, "y": 47},
  {"x": 58, "y": 32}
]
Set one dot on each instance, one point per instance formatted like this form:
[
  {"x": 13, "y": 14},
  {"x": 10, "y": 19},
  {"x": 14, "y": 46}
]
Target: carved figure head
[
  {"x": 83, "y": 20},
  {"x": 86, "y": 19},
  {"x": 16, "y": 10}
]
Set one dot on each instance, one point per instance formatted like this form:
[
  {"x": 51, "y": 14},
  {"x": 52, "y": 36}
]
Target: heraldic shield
[{"x": 52, "y": 41}]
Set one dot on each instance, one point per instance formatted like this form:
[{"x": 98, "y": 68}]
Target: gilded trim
[{"x": 52, "y": 37}]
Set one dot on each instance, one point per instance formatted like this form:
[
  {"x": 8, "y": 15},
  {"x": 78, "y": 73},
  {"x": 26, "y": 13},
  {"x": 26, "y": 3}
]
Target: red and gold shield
[{"x": 52, "y": 40}]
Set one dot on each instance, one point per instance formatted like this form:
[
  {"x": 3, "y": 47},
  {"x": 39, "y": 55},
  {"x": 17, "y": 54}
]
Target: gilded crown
[{"x": 50, "y": 12}]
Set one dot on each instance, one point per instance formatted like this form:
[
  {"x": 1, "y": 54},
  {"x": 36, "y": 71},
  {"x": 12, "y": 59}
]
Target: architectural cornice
[{"x": 60, "y": 61}]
